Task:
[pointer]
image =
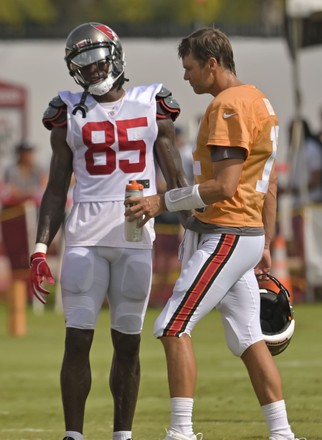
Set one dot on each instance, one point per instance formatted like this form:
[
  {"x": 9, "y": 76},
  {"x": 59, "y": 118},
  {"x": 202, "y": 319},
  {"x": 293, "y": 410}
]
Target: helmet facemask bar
[
  {"x": 104, "y": 52},
  {"x": 94, "y": 43}
]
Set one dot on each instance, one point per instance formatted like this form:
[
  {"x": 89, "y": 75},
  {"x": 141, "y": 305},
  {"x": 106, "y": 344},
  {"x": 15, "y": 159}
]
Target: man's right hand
[
  {"x": 40, "y": 272},
  {"x": 264, "y": 266}
]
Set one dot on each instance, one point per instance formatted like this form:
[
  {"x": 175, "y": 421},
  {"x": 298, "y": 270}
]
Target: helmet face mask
[
  {"x": 276, "y": 315},
  {"x": 94, "y": 43}
]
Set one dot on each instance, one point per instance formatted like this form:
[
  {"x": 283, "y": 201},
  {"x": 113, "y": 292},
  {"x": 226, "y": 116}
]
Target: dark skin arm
[
  {"x": 52, "y": 208},
  {"x": 169, "y": 160}
]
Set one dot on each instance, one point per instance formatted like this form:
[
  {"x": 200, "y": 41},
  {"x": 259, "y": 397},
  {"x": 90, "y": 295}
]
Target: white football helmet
[
  {"x": 94, "y": 43},
  {"x": 277, "y": 317}
]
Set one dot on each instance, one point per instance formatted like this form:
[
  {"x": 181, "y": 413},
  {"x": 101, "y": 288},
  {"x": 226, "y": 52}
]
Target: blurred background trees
[{"x": 140, "y": 18}]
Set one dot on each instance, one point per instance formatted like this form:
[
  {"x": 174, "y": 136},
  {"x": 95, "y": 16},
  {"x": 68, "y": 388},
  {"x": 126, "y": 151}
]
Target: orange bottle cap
[{"x": 134, "y": 185}]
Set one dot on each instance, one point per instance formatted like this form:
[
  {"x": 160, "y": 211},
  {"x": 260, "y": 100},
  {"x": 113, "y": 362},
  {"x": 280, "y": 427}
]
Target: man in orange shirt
[{"x": 227, "y": 237}]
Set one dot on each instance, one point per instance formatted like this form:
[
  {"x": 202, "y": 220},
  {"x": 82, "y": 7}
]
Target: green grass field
[{"x": 225, "y": 406}]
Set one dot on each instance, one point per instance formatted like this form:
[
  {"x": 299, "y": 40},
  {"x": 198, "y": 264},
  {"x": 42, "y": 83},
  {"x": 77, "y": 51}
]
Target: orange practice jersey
[{"x": 238, "y": 117}]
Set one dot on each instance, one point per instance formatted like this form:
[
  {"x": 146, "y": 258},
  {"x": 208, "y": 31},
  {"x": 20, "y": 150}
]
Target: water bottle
[{"x": 132, "y": 231}]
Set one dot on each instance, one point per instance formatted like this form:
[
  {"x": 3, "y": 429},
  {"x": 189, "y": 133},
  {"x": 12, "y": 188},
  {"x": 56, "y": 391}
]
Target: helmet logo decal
[
  {"x": 81, "y": 44},
  {"x": 107, "y": 31}
]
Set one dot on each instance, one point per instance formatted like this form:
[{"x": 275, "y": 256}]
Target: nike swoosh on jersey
[{"x": 228, "y": 115}]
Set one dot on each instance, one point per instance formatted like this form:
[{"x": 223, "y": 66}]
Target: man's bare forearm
[
  {"x": 51, "y": 217},
  {"x": 269, "y": 210}
]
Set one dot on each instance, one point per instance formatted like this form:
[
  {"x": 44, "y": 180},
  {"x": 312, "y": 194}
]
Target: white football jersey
[{"x": 111, "y": 146}]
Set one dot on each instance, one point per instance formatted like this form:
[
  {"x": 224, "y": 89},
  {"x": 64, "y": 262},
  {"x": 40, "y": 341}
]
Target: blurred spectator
[
  {"x": 305, "y": 180},
  {"x": 23, "y": 184},
  {"x": 319, "y": 133},
  {"x": 169, "y": 232},
  {"x": 185, "y": 150},
  {"x": 24, "y": 179},
  {"x": 306, "y": 174}
]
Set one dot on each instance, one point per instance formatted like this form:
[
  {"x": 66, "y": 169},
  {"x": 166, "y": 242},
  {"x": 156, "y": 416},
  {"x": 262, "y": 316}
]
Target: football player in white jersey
[{"x": 106, "y": 136}]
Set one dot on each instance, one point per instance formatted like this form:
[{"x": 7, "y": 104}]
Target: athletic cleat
[
  {"x": 68, "y": 438},
  {"x": 172, "y": 435}
]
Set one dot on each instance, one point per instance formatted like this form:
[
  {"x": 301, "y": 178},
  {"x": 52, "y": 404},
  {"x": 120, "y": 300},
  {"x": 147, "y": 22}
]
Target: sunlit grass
[{"x": 225, "y": 405}]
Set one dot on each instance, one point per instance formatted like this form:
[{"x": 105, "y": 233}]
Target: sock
[
  {"x": 276, "y": 419},
  {"x": 122, "y": 435},
  {"x": 74, "y": 435},
  {"x": 181, "y": 415}
]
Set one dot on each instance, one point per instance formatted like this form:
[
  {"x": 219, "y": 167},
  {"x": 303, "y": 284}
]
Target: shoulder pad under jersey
[
  {"x": 56, "y": 114},
  {"x": 167, "y": 106}
]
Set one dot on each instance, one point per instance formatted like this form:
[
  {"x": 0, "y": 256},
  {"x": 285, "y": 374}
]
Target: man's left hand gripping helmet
[
  {"x": 277, "y": 318},
  {"x": 92, "y": 43}
]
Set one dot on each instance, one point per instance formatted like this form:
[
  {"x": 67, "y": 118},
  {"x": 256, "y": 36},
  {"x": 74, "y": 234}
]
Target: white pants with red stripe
[{"x": 220, "y": 275}]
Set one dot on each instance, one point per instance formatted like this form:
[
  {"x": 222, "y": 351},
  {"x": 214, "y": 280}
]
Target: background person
[
  {"x": 307, "y": 166},
  {"x": 319, "y": 132},
  {"x": 24, "y": 179},
  {"x": 23, "y": 184},
  {"x": 305, "y": 178},
  {"x": 169, "y": 231},
  {"x": 107, "y": 136},
  {"x": 185, "y": 149},
  {"x": 227, "y": 237}
]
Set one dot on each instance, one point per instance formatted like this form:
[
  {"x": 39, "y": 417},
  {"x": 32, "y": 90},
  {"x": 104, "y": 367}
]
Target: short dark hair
[{"x": 206, "y": 43}]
